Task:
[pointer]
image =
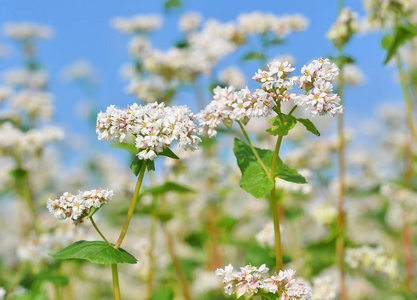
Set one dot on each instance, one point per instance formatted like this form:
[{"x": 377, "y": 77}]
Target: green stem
[
  {"x": 116, "y": 287},
  {"x": 292, "y": 110},
  {"x": 98, "y": 230},
  {"x": 152, "y": 234},
  {"x": 132, "y": 206},
  {"x": 17, "y": 277},
  {"x": 275, "y": 213},
  {"x": 253, "y": 148},
  {"x": 407, "y": 97}
]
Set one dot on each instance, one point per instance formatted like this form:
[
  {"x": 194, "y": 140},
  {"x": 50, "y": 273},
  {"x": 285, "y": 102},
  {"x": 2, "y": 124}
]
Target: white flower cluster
[
  {"x": 137, "y": 23},
  {"x": 250, "y": 280},
  {"x": 78, "y": 207},
  {"x": 324, "y": 288},
  {"x": 153, "y": 125},
  {"x": 325, "y": 214},
  {"x": 30, "y": 143},
  {"x": 371, "y": 258},
  {"x": 262, "y": 23},
  {"x": 233, "y": 76},
  {"x": 27, "y": 31},
  {"x": 345, "y": 26},
  {"x": 25, "y": 78},
  {"x": 229, "y": 104},
  {"x": 2, "y": 293},
  {"x": 400, "y": 195},
  {"x": 190, "y": 21},
  {"x": 317, "y": 81},
  {"x": 37, "y": 105}
]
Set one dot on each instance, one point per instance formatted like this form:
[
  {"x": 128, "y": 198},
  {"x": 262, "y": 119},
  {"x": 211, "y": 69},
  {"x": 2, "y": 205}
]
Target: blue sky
[{"x": 83, "y": 32}]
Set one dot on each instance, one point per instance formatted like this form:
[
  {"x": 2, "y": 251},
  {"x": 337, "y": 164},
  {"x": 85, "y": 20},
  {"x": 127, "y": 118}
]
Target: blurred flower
[
  {"x": 36, "y": 104},
  {"x": 325, "y": 214},
  {"x": 371, "y": 258},
  {"x": 5, "y": 92},
  {"x": 345, "y": 26},
  {"x": 324, "y": 288},
  {"x": 27, "y": 31},
  {"x": 353, "y": 76},
  {"x": 80, "y": 70},
  {"x": 232, "y": 76},
  {"x": 137, "y": 23},
  {"x": 190, "y": 21},
  {"x": 26, "y": 78}
]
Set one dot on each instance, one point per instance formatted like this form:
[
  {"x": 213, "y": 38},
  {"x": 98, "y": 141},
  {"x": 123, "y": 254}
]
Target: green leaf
[
  {"x": 253, "y": 55},
  {"x": 168, "y": 152},
  {"x": 167, "y": 187},
  {"x": 402, "y": 34},
  {"x": 172, "y": 4},
  {"x": 125, "y": 146},
  {"x": 97, "y": 252},
  {"x": 136, "y": 165},
  {"x": 309, "y": 126},
  {"x": 254, "y": 179},
  {"x": 150, "y": 164},
  {"x": 288, "y": 174},
  {"x": 163, "y": 294},
  {"x": 281, "y": 127},
  {"x": 276, "y": 41}
]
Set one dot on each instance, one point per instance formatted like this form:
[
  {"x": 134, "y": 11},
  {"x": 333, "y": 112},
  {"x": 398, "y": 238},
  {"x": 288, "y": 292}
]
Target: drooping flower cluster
[
  {"x": 77, "y": 207},
  {"x": 27, "y": 31},
  {"x": 371, "y": 258},
  {"x": 154, "y": 127},
  {"x": 250, "y": 280},
  {"x": 137, "y": 23},
  {"x": 345, "y": 26},
  {"x": 317, "y": 81}
]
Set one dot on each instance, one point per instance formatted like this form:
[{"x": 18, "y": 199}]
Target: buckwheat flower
[
  {"x": 285, "y": 284},
  {"x": 137, "y": 23},
  {"x": 154, "y": 127},
  {"x": 232, "y": 76},
  {"x": 27, "y": 31},
  {"x": 247, "y": 282},
  {"x": 345, "y": 26},
  {"x": 78, "y": 207},
  {"x": 316, "y": 80},
  {"x": 266, "y": 237},
  {"x": 190, "y": 21}
]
